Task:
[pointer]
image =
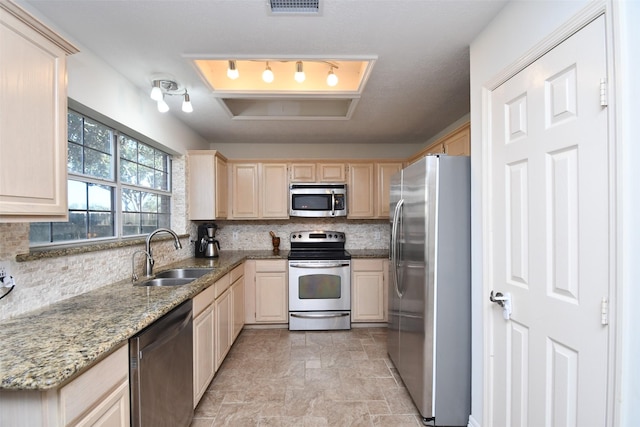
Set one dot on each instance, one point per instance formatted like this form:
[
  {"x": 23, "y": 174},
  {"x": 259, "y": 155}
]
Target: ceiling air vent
[{"x": 278, "y": 7}]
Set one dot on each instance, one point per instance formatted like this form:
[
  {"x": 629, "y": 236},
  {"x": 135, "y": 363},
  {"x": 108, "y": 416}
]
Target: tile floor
[{"x": 274, "y": 377}]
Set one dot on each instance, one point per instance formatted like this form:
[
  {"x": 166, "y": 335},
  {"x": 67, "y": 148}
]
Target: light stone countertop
[{"x": 47, "y": 348}]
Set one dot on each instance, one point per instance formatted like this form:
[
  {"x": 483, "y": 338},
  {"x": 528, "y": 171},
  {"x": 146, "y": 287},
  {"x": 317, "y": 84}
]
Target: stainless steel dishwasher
[{"x": 161, "y": 371}]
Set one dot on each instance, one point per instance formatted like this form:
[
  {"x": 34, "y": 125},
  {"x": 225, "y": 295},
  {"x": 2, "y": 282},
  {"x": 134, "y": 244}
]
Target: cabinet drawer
[
  {"x": 237, "y": 273},
  {"x": 203, "y": 299},
  {"x": 271, "y": 265},
  {"x": 222, "y": 285},
  {"x": 368, "y": 265},
  {"x": 90, "y": 388}
]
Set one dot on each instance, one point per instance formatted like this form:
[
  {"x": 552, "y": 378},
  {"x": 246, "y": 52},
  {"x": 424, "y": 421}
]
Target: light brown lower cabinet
[
  {"x": 218, "y": 319},
  {"x": 369, "y": 284},
  {"x": 266, "y": 292},
  {"x": 224, "y": 325},
  {"x": 98, "y": 397},
  {"x": 204, "y": 363}
]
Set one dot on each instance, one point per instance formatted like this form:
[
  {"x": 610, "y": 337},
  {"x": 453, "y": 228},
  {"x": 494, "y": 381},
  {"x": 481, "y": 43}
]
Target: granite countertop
[{"x": 47, "y": 348}]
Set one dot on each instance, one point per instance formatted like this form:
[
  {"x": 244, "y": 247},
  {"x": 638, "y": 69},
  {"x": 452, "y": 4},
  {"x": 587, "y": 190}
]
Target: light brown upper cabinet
[
  {"x": 361, "y": 190},
  {"x": 259, "y": 190},
  {"x": 33, "y": 123},
  {"x": 274, "y": 194},
  {"x": 318, "y": 172},
  {"x": 455, "y": 143},
  {"x": 303, "y": 172},
  {"x": 207, "y": 185},
  {"x": 368, "y": 189},
  {"x": 384, "y": 172}
]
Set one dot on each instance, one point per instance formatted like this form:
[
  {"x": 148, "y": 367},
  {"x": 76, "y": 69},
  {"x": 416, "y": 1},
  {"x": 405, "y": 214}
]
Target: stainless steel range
[{"x": 319, "y": 281}]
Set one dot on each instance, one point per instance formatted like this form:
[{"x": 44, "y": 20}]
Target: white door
[{"x": 549, "y": 222}]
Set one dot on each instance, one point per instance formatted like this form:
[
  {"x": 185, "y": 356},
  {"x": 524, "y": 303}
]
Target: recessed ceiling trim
[{"x": 289, "y": 108}]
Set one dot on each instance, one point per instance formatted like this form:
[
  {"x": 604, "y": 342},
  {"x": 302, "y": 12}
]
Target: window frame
[{"x": 116, "y": 184}]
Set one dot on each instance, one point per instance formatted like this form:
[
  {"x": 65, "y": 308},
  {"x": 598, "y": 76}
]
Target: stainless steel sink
[
  {"x": 166, "y": 281},
  {"x": 181, "y": 273}
]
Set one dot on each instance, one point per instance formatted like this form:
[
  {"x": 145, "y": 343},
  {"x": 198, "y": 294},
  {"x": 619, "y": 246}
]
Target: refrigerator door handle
[{"x": 395, "y": 243}]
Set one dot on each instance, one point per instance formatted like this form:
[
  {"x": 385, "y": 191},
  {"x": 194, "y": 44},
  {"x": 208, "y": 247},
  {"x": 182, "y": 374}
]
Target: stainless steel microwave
[{"x": 317, "y": 200}]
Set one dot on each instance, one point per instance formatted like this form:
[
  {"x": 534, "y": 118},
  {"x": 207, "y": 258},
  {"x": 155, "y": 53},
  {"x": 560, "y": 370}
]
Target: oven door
[{"x": 316, "y": 285}]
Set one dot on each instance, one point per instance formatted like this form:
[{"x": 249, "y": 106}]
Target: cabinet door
[
  {"x": 237, "y": 291},
  {"x": 221, "y": 188},
  {"x": 245, "y": 190},
  {"x": 100, "y": 395},
  {"x": 274, "y": 194},
  {"x": 369, "y": 280},
  {"x": 458, "y": 144},
  {"x": 204, "y": 363},
  {"x": 303, "y": 172},
  {"x": 435, "y": 149},
  {"x": 271, "y": 297},
  {"x": 113, "y": 411},
  {"x": 33, "y": 88},
  {"x": 223, "y": 325},
  {"x": 207, "y": 185},
  {"x": 361, "y": 191},
  {"x": 331, "y": 172},
  {"x": 368, "y": 296},
  {"x": 384, "y": 173}
]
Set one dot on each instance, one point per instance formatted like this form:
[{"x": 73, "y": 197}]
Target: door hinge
[
  {"x": 604, "y": 102},
  {"x": 604, "y": 311}
]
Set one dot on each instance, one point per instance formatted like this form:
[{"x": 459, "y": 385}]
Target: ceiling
[{"x": 418, "y": 85}]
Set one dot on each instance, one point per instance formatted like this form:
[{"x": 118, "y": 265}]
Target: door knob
[{"x": 504, "y": 301}]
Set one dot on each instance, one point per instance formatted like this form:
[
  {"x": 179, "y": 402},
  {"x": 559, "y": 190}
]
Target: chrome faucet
[
  {"x": 150, "y": 261},
  {"x": 134, "y": 276}
]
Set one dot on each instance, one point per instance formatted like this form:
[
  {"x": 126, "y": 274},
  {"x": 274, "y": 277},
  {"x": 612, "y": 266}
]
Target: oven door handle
[
  {"x": 320, "y": 265},
  {"x": 318, "y": 315}
]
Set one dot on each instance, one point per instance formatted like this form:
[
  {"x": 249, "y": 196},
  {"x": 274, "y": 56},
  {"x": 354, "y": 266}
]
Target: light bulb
[
  {"x": 163, "y": 107},
  {"x": 299, "y": 75},
  {"x": 267, "y": 74},
  {"x": 186, "y": 104},
  {"x": 332, "y": 79},
  {"x": 156, "y": 92},
  {"x": 232, "y": 71}
]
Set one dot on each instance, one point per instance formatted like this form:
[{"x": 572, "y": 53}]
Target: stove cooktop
[
  {"x": 318, "y": 245},
  {"x": 319, "y": 255}
]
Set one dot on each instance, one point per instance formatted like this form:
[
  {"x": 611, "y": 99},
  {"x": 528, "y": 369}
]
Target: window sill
[{"x": 83, "y": 248}]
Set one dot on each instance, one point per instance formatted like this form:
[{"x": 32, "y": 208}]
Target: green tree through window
[{"x": 104, "y": 204}]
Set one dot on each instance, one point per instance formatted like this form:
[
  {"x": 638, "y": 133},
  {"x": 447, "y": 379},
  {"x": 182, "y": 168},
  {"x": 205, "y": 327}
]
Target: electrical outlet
[
  {"x": 235, "y": 235},
  {"x": 376, "y": 235}
]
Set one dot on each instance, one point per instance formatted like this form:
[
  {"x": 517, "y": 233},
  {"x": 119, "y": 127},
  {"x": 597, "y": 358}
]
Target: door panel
[{"x": 549, "y": 215}]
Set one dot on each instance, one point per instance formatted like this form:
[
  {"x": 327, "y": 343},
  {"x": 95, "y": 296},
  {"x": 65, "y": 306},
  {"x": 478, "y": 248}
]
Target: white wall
[
  {"x": 316, "y": 151},
  {"x": 96, "y": 85},
  {"x": 515, "y": 30}
]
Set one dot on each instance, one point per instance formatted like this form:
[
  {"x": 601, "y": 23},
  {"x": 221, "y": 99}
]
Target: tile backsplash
[
  {"x": 254, "y": 235},
  {"x": 45, "y": 281}
]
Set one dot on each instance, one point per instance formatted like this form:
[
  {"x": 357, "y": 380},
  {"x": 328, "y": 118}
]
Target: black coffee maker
[{"x": 206, "y": 245}]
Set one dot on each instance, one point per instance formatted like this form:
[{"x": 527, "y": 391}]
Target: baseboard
[{"x": 473, "y": 422}]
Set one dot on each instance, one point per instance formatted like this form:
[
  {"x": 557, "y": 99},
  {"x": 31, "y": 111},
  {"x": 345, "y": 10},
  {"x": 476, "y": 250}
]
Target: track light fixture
[
  {"x": 332, "y": 79},
  {"x": 267, "y": 74},
  {"x": 232, "y": 71},
  {"x": 186, "y": 103},
  {"x": 162, "y": 87},
  {"x": 299, "y": 75},
  {"x": 156, "y": 91},
  {"x": 163, "y": 107}
]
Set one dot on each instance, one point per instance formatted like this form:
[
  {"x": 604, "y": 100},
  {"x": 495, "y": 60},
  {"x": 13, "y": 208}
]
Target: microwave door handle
[{"x": 333, "y": 203}]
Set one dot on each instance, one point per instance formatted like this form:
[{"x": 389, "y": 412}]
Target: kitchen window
[{"x": 117, "y": 186}]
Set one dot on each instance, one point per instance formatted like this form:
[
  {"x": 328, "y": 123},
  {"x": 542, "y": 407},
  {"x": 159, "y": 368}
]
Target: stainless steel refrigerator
[{"x": 429, "y": 331}]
